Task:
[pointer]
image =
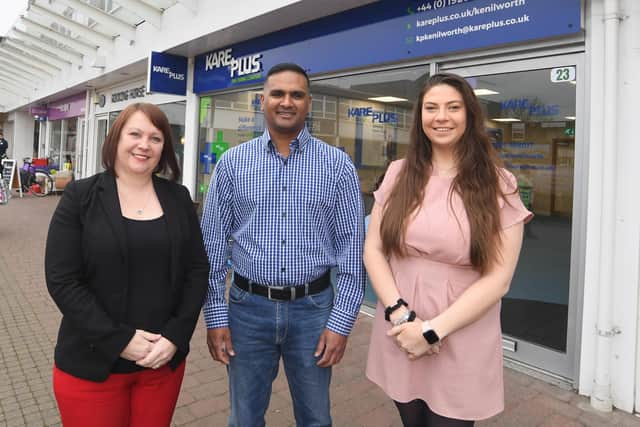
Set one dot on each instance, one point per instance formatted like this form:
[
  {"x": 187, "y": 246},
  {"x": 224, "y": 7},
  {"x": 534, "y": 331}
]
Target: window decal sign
[{"x": 388, "y": 31}]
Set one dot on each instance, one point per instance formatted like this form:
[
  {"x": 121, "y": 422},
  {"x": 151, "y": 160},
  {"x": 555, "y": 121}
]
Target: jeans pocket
[
  {"x": 322, "y": 299},
  {"x": 237, "y": 295}
]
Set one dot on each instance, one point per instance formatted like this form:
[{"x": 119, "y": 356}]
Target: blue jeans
[{"x": 262, "y": 331}]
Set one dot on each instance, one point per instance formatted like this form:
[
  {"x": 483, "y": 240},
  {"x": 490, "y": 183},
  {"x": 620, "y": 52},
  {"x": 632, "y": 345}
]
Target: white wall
[
  {"x": 21, "y": 136},
  {"x": 627, "y": 266},
  {"x": 624, "y": 262},
  {"x": 191, "y": 129}
]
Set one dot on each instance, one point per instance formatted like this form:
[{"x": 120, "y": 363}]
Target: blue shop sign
[
  {"x": 167, "y": 74},
  {"x": 388, "y": 31}
]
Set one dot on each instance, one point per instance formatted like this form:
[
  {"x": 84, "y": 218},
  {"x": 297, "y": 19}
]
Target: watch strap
[{"x": 390, "y": 309}]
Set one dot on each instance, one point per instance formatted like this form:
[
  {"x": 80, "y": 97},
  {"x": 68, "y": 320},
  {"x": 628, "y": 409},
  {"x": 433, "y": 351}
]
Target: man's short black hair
[{"x": 288, "y": 66}]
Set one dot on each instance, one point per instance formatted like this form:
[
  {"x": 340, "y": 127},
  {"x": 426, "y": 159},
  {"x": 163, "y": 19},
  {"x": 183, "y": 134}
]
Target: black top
[
  {"x": 87, "y": 272},
  {"x": 148, "y": 303}
]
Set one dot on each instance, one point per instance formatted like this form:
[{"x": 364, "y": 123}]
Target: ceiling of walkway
[{"x": 54, "y": 36}]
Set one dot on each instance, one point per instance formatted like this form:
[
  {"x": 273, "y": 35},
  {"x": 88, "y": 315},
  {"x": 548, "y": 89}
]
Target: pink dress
[{"x": 464, "y": 381}]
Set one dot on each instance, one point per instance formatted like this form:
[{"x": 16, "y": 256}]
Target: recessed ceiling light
[
  {"x": 506, "y": 119},
  {"x": 482, "y": 92},
  {"x": 387, "y": 99}
]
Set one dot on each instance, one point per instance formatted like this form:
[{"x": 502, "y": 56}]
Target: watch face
[{"x": 431, "y": 336}]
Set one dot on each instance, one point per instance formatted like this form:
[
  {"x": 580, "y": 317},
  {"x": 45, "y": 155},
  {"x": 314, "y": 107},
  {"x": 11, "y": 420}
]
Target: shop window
[
  {"x": 372, "y": 114},
  {"x": 226, "y": 120},
  {"x": 55, "y": 143},
  {"x": 366, "y": 115},
  {"x": 531, "y": 121},
  {"x": 175, "y": 112}
]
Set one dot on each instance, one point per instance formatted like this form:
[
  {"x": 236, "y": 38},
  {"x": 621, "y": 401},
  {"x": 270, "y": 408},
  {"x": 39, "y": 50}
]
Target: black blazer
[{"x": 87, "y": 273}]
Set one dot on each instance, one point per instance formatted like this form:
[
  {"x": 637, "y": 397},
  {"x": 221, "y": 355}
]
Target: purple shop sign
[
  {"x": 38, "y": 111},
  {"x": 73, "y": 106}
]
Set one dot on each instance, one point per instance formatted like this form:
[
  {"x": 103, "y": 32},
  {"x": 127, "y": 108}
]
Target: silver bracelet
[{"x": 403, "y": 319}]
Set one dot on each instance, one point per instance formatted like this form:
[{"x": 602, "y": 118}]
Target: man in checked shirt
[{"x": 292, "y": 207}]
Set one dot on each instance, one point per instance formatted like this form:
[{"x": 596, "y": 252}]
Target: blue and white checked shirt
[{"x": 291, "y": 219}]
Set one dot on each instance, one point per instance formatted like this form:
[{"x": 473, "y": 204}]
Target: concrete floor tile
[{"x": 561, "y": 421}]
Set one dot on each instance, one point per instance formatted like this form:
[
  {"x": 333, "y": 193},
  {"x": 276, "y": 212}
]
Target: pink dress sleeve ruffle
[{"x": 512, "y": 210}]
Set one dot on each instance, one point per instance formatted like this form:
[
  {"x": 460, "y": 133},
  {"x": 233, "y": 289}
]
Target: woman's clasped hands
[
  {"x": 149, "y": 350},
  {"x": 409, "y": 338}
]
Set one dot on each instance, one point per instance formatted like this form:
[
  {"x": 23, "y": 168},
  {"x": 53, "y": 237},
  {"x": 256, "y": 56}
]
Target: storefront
[
  {"x": 66, "y": 121},
  {"x": 367, "y": 65},
  {"x": 107, "y": 104},
  {"x": 58, "y": 132}
]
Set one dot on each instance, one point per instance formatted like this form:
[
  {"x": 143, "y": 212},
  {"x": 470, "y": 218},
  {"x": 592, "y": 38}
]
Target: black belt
[{"x": 283, "y": 293}]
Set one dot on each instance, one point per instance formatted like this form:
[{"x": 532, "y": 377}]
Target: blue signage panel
[
  {"x": 167, "y": 74},
  {"x": 388, "y": 31}
]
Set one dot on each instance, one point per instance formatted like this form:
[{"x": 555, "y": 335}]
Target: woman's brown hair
[
  {"x": 168, "y": 164},
  {"x": 477, "y": 181}
]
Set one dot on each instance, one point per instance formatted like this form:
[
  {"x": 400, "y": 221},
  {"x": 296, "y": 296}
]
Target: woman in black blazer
[{"x": 126, "y": 266}]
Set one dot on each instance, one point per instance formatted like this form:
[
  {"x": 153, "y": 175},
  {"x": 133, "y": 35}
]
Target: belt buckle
[{"x": 278, "y": 288}]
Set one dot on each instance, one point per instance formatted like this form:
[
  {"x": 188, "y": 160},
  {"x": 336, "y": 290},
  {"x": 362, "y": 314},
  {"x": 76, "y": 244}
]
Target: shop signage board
[
  {"x": 388, "y": 31},
  {"x": 38, "y": 111},
  {"x": 127, "y": 94},
  {"x": 73, "y": 106},
  {"x": 11, "y": 175},
  {"x": 167, "y": 73}
]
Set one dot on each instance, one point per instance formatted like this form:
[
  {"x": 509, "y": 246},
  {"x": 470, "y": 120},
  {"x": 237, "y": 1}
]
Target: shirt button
[
  {"x": 284, "y": 241},
  {"x": 282, "y": 270},
  {"x": 284, "y": 214},
  {"x": 284, "y": 188}
]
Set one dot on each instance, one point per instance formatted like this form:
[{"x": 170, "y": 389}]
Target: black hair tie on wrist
[{"x": 392, "y": 308}]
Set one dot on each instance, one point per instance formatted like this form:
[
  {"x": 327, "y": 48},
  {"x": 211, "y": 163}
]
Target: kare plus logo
[
  {"x": 168, "y": 72},
  {"x": 248, "y": 67},
  {"x": 376, "y": 116}
]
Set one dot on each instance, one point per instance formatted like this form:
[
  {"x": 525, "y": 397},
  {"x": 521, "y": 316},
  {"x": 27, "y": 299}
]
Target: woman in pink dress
[{"x": 442, "y": 245}]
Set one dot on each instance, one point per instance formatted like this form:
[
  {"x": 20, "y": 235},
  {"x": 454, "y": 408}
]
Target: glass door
[
  {"x": 102, "y": 126},
  {"x": 81, "y": 150},
  {"x": 532, "y": 108},
  {"x": 69, "y": 143},
  {"x": 55, "y": 144}
]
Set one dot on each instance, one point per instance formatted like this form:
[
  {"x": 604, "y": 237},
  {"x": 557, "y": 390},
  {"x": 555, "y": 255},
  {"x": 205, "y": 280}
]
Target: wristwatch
[{"x": 429, "y": 334}]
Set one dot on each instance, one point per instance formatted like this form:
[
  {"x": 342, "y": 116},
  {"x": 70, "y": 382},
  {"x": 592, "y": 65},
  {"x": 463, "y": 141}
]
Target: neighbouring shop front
[
  {"x": 109, "y": 102},
  {"x": 59, "y": 130},
  {"x": 367, "y": 65}
]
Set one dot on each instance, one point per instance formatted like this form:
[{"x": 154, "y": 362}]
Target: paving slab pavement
[{"x": 28, "y": 328}]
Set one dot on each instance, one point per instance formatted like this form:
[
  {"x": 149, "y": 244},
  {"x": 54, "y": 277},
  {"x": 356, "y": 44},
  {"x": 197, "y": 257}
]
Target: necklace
[
  {"x": 140, "y": 211},
  {"x": 125, "y": 198}
]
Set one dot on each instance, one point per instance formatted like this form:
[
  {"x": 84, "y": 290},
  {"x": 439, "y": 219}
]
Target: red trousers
[{"x": 140, "y": 399}]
